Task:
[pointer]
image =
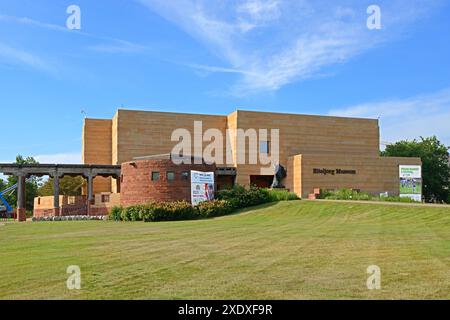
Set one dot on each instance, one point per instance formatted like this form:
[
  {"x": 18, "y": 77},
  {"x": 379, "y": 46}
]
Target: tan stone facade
[
  {"x": 368, "y": 174},
  {"x": 305, "y": 143}
]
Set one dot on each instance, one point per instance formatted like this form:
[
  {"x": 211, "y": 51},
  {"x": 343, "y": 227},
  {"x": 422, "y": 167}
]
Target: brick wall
[{"x": 137, "y": 186}]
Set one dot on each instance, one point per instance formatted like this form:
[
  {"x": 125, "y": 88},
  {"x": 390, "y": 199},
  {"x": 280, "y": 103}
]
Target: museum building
[{"x": 318, "y": 152}]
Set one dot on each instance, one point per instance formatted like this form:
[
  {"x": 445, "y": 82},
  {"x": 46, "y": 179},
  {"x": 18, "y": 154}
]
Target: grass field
[{"x": 288, "y": 250}]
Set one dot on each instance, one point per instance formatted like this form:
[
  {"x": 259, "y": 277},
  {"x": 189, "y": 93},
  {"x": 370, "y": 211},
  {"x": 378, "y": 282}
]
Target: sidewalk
[{"x": 387, "y": 203}]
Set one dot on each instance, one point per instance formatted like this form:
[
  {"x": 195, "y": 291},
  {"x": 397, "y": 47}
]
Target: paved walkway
[{"x": 387, "y": 203}]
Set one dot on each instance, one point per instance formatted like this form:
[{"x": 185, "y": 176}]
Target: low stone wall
[
  {"x": 70, "y": 218},
  {"x": 100, "y": 210},
  {"x": 39, "y": 213}
]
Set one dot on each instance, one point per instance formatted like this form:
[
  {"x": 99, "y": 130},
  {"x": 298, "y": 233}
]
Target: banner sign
[
  {"x": 411, "y": 182},
  {"x": 202, "y": 187}
]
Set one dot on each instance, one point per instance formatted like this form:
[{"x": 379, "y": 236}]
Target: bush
[
  {"x": 215, "y": 208},
  {"x": 130, "y": 213},
  {"x": 275, "y": 195},
  {"x": 345, "y": 194},
  {"x": 397, "y": 199},
  {"x": 116, "y": 214},
  {"x": 240, "y": 197},
  {"x": 169, "y": 211}
]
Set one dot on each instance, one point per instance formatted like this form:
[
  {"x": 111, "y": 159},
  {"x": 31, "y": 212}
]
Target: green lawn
[{"x": 289, "y": 250}]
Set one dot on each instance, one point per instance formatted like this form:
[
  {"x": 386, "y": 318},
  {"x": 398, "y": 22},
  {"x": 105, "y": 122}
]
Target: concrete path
[{"x": 387, "y": 203}]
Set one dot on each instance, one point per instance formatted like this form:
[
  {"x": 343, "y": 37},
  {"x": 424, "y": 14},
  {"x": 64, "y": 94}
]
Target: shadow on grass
[{"x": 249, "y": 209}]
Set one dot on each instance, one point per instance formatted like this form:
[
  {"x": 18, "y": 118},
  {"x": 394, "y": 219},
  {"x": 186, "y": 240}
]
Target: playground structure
[{"x": 6, "y": 211}]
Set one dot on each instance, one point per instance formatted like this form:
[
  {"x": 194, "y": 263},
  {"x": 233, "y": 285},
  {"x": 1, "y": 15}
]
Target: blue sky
[{"x": 216, "y": 56}]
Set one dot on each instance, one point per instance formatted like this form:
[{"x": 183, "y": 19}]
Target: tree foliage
[
  {"x": 435, "y": 165},
  {"x": 31, "y": 187},
  {"x": 68, "y": 186}
]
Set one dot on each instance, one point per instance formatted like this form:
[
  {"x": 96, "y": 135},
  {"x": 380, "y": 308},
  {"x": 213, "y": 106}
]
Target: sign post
[
  {"x": 202, "y": 187},
  {"x": 411, "y": 182}
]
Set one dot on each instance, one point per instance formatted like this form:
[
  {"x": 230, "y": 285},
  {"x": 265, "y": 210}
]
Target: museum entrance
[
  {"x": 225, "y": 182},
  {"x": 261, "y": 181}
]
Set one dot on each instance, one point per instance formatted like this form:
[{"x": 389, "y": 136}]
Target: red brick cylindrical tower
[{"x": 143, "y": 181}]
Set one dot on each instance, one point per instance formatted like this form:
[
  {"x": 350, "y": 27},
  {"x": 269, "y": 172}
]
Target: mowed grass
[{"x": 288, "y": 250}]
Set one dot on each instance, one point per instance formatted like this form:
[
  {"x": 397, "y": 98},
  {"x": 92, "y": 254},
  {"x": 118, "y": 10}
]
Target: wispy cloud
[
  {"x": 60, "y": 158},
  {"x": 31, "y": 22},
  {"x": 118, "y": 46},
  {"x": 409, "y": 118},
  {"x": 15, "y": 56},
  {"x": 105, "y": 44},
  {"x": 275, "y": 42}
]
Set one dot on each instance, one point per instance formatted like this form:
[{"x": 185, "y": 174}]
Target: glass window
[
  {"x": 185, "y": 175},
  {"x": 264, "y": 147},
  {"x": 155, "y": 175},
  {"x": 170, "y": 176}
]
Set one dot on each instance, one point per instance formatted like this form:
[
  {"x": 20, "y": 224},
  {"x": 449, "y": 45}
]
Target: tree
[
  {"x": 435, "y": 165},
  {"x": 68, "y": 186},
  {"x": 31, "y": 185}
]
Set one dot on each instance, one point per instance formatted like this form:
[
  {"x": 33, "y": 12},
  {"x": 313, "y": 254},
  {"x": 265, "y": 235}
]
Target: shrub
[
  {"x": 397, "y": 199},
  {"x": 170, "y": 211},
  {"x": 275, "y": 195},
  {"x": 345, "y": 194},
  {"x": 116, "y": 214},
  {"x": 128, "y": 213},
  {"x": 240, "y": 197},
  {"x": 146, "y": 211},
  {"x": 215, "y": 208}
]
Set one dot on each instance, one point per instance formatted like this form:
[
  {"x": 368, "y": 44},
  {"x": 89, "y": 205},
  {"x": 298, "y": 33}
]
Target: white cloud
[
  {"x": 410, "y": 118},
  {"x": 57, "y": 158},
  {"x": 259, "y": 11},
  {"x": 276, "y": 42},
  {"x": 118, "y": 46},
  {"x": 107, "y": 44},
  {"x": 60, "y": 158},
  {"x": 15, "y": 56}
]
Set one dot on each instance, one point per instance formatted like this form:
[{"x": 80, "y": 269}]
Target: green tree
[
  {"x": 31, "y": 186},
  {"x": 435, "y": 165},
  {"x": 68, "y": 186}
]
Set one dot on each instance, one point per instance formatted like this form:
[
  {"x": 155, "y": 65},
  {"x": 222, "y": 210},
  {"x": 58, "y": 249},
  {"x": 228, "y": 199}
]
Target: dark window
[
  {"x": 185, "y": 175},
  {"x": 264, "y": 147},
  {"x": 155, "y": 176},
  {"x": 170, "y": 176},
  {"x": 105, "y": 197}
]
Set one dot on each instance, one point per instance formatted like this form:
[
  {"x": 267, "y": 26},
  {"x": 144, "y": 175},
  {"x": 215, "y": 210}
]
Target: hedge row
[
  {"x": 228, "y": 202},
  {"x": 171, "y": 211},
  {"x": 348, "y": 194}
]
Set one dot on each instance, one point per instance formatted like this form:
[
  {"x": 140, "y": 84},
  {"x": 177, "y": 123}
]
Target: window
[
  {"x": 170, "y": 176},
  {"x": 264, "y": 147},
  {"x": 155, "y": 176},
  {"x": 105, "y": 198},
  {"x": 185, "y": 175}
]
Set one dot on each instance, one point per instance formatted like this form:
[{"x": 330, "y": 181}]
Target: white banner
[
  {"x": 202, "y": 187},
  {"x": 411, "y": 182}
]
